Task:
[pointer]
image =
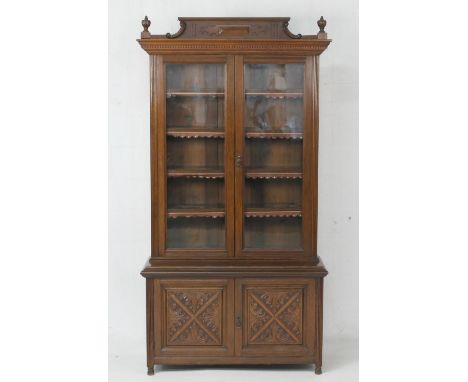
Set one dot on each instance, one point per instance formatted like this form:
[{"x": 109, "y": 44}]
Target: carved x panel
[
  {"x": 275, "y": 316},
  {"x": 194, "y": 317}
]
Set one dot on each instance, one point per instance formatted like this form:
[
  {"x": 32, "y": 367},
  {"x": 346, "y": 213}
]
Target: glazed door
[
  {"x": 195, "y": 156},
  {"x": 274, "y": 157}
]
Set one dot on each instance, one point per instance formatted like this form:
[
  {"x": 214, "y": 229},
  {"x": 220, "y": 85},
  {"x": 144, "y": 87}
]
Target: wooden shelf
[
  {"x": 275, "y": 94},
  {"x": 194, "y": 133},
  {"x": 272, "y": 212},
  {"x": 273, "y": 135},
  {"x": 272, "y": 173},
  {"x": 196, "y": 172},
  {"x": 175, "y": 213},
  {"x": 170, "y": 94}
]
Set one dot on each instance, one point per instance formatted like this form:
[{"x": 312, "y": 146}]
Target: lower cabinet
[{"x": 235, "y": 320}]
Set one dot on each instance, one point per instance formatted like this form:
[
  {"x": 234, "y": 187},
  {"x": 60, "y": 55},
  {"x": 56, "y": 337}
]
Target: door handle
[{"x": 238, "y": 321}]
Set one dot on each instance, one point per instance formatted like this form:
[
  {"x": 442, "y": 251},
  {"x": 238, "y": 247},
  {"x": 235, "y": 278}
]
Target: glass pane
[
  {"x": 268, "y": 114},
  {"x": 194, "y": 193},
  {"x": 195, "y": 153},
  {"x": 273, "y": 154},
  {"x": 197, "y": 233},
  {"x": 274, "y": 126},
  {"x": 195, "y": 78},
  {"x": 273, "y": 233},
  {"x": 273, "y": 193},
  {"x": 195, "y": 156},
  {"x": 274, "y": 97},
  {"x": 274, "y": 77},
  {"x": 195, "y": 112}
]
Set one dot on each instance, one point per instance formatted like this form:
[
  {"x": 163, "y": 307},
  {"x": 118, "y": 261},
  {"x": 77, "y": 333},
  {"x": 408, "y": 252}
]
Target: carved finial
[
  {"x": 322, "y": 24},
  {"x": 146, "y": 24}
]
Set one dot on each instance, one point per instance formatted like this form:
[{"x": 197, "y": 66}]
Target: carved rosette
[
  {"x": 194, "y": 317},
  {"x": 275, "y": 316}
]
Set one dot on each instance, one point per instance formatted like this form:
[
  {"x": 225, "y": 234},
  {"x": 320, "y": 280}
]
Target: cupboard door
[
  {"x": 275, "y": 317},
  {"x": 195, "y": 156},
  {"x": 194, "y": 317},
  {"x": 274, "y": 139}
]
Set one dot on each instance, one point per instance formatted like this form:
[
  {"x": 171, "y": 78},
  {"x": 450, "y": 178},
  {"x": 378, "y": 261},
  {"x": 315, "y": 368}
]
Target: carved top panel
[{"x": 234, "y": 28}]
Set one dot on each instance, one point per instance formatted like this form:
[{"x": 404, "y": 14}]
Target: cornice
[{"x": 296, "y": 46}]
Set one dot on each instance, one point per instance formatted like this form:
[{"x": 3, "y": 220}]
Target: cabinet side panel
[
  {"x": 153, "y": 155},
  {"x": 319, "y": 322},
  {"x": 308, "y": 162},
  {"x": 150, "y": 322},
  {"x": 161, "y": 154},
  {"x": 315, "y": 147},
  {"x": 229, "y": 155}
]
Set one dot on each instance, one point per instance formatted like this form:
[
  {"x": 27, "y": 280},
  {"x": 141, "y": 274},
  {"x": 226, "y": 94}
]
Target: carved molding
[
  {"x": 311, "y": 46},
  {"x": 193, "y": 176},
  {"x": 188, "y": 135},
  {"x": 267, "y": 176},
  {"x": 183, "y": 26},
  {"x": 288, "y": 32},
  {"x": 194, "y": 173},
  {"x": 196, "y": 215},
  {"x": 271, "y": 135},
  {"x": 237, "y": 28},
  {"x": 273, "y": 214}
]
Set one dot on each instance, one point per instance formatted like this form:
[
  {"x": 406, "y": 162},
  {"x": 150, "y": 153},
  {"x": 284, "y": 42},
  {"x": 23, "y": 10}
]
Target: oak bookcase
[{"x": 234, "y": 276}]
